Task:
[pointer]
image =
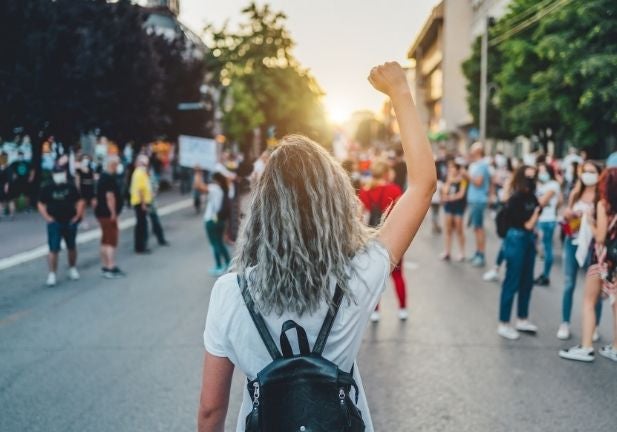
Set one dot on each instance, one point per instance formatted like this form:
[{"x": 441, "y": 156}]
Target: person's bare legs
[
  {"x": 52, "y": 261},
  {"x": 460, "y": 233},
  {"x": 449, "y": 222},
  {"x": 593, "y": 288},
  {"x": 110, "y": 253},
  {"x": 480, "y": 240},
  {"x": 72, "y": 253},
  {"x": 104, "y": 260}
]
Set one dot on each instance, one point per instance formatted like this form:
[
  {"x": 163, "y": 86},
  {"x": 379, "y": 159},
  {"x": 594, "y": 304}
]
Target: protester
[
  {"x": 85, "y": 180},
  {"x": 581, "y": 202},
  {"x": 601, "y": 277},
  {"x": 62, "y": 208},
  {"x": 216, "y": 216},
  {"x": 107, "y": 210},
  {"x": 301, "y": 239},
  {"x": 157, "y": 226},
  {"x": 502, "y": 177},
  {"x": 141, "y": 198},
  {"x": 477, "y": 198},
  {"x": 378, "y": 200},
  {"x": 20, "y": 183},
  {"x": 454, "y": 197},
  {"x": 523, "y": 211},
  {"x": 441, "y": 166},
  {"x": 549, "y": 196}
]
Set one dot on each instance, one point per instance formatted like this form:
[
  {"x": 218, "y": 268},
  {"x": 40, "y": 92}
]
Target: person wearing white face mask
[
  {"x": 62, "y": 208},
  {"x": 549, "y": 195},
  {"x": 582, "y": 200}
]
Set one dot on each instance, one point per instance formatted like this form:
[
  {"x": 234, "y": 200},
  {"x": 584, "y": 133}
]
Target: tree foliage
[
  {"x": 265, "y": 86},
  {"x": 557, "y": 78},
  {"x": 73, "y": 66}
]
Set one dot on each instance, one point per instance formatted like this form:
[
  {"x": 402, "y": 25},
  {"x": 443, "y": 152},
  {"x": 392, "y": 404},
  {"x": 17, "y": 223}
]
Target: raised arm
[{"x": 407, "y": 215}]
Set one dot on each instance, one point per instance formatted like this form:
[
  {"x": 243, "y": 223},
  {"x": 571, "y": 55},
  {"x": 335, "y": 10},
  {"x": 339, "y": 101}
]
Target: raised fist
[{"x": 389, "y": 79}]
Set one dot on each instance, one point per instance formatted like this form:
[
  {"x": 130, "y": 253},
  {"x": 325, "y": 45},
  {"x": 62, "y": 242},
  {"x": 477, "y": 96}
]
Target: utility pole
[{"x": 484, "y": 81}]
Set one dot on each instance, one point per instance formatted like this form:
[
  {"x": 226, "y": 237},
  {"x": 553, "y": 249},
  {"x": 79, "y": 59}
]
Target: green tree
[
  {"x": 556, "y": 78},
  {"x": 264, "y": 84}
]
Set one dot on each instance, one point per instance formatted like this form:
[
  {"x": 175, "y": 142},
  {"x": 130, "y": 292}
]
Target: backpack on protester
[
  {"x": 375, "y": 213},
  {"x": 300, "y": 392},
  {"x": 502, "y": 221}
]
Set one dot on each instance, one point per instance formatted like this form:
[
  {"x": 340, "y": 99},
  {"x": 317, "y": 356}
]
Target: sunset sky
[{"x": 339, "y": 40}]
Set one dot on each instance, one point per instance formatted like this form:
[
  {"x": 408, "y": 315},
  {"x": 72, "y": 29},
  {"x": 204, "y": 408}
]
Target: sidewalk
[{"x": 27, "y": 230}]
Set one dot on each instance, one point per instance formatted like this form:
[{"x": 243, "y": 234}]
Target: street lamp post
[{"x": 484, "y": 82}]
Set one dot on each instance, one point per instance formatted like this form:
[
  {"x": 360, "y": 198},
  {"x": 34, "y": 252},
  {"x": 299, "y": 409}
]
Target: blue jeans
[
  {"x": 548, "y": 231},
  {"x": 520, "y": 253},
  {"x": 570, "y": 271}
]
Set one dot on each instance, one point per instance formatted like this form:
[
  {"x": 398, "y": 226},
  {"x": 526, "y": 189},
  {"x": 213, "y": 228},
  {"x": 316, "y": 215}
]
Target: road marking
[{"x": 94, "y": 234}]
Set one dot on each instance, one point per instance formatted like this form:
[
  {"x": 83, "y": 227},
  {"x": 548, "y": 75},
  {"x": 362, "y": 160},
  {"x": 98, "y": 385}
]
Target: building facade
[
  {"x": 436, "y": 56},
  {"x": 172, "y": 5}
]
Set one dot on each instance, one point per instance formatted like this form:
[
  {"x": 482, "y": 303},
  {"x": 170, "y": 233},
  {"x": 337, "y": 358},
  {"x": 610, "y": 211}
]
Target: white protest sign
[{"x": 196, "y": 151}]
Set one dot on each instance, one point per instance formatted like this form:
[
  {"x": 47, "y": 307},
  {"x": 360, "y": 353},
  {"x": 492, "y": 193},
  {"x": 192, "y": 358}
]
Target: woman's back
[{"x": 231, "y": 333}]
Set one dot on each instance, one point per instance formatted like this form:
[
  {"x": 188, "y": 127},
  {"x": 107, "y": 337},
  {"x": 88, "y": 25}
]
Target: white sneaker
[
  {"x": 564, "y": 331},
  {"x": 51, "y": 279},
  {"x": 578, "y": 353},
  {"x": 375, "y": 317},
  {"x": 596, "y": 335},
  {"x": 491, "y": 276},
  {"x": 609, "y": 351},
  {"x": 506, "y": 331},
  {"x": 403, "y": 314},
  {"x": 73, "y": 274},
  {"x": 526, "y": 326}
]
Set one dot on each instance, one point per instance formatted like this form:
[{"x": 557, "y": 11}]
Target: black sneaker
[
  {"x": 542, "y": 281},
  {"x": 117, "y": 272}
]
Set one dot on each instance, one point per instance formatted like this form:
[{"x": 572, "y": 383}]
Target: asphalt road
[{"x": 125, "y": 355}]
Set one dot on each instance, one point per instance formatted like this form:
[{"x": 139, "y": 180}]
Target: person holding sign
[{"x": 216, "y": 216}]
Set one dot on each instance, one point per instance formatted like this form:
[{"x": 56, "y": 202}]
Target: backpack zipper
[{"x": 255, "y": 394}]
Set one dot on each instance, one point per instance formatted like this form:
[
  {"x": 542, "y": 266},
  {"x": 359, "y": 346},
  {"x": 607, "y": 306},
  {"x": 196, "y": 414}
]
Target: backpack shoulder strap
[
  {"x": 258, "y": 320},
  {"x": 322, "y": 338}
]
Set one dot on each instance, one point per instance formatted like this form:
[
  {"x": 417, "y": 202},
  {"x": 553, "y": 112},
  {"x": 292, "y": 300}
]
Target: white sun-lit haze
[{"x": 339, "y": 40}]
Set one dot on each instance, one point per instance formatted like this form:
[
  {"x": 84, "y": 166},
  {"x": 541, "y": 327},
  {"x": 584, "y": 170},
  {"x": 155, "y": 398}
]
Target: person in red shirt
[{"x": 378, "y": 199}]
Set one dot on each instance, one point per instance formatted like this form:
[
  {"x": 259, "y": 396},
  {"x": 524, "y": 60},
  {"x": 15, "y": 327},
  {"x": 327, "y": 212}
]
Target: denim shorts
[
  {"x": 56, "y": 231},
  {"x": 476, "y": 215}
]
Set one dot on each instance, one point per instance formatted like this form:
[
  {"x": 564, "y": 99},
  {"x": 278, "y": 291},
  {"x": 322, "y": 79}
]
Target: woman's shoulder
[{"x": 372, "y": 257}]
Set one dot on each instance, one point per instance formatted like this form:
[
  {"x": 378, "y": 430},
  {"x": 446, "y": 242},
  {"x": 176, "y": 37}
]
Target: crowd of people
[
  {"x": 536, "y": 203},
  {"x": 68, "y": 184}
]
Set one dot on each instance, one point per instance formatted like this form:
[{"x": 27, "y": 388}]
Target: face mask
[
  {"x": 531, "y": 184},
  {"x": 589, "y": 179},
  {"x": 59, "y": 178},
  {"x": 544, "y": 177},
  {"x": 501, "y": 161}
]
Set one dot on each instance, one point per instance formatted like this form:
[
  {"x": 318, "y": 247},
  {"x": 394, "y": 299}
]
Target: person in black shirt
[
  {"x": 108, "y": 207},
  {"x": 522, "y": 210},
  {"x": 62, "y": 208},
  {"x": 20, "y": 180}
]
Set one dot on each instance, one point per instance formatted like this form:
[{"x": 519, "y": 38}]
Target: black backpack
[
  {"x": 375, "y": 213},
  {"x": 303, "y": 392},
  {"x": 502, "y": 221}
]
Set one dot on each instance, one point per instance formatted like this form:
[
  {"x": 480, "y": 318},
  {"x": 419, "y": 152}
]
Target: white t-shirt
[
  {"x": 214, "y": 202},
  {"x": 549, "y": 212},
  {"x": 230, "y": 332}
]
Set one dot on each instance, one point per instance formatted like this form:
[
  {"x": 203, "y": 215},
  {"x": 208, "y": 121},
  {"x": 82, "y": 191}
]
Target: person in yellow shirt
[{"x": 141, "y": 198}]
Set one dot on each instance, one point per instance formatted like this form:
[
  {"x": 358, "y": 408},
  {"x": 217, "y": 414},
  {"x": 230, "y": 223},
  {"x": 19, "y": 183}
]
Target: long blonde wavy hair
[{"x": 303, "y": 228}]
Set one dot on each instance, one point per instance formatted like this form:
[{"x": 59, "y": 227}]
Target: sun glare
[{"x": 338, "y": 112}]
